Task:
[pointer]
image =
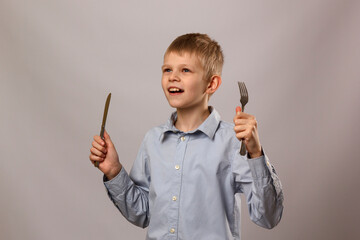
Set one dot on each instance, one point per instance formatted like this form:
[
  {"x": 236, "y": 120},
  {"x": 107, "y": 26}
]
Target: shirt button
[
  {"x": 172, "y": 230},
  {"x": 182, "y": 138},
  {"x": 177, "y": 167},
  {"x": 174, "y": 198}
]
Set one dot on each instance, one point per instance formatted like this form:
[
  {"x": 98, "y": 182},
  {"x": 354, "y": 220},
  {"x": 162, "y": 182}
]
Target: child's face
[{"x": 183, "y": 81}]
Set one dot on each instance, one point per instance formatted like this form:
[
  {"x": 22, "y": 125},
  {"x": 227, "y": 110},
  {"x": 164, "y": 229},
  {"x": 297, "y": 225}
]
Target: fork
[{"x": 244, "y": 98}]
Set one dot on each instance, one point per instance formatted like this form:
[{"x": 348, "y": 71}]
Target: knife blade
[{"x": 106, "y": 109}]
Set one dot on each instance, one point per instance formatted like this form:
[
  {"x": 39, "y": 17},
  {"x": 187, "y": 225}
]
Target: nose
[{"x": 174, "y": 76}]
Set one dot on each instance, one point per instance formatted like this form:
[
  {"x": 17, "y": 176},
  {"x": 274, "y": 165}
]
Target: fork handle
[{"x": 243, "y": 148}]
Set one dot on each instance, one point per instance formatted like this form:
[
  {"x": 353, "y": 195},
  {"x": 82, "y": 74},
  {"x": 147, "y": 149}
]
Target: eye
[
  {"x": 166, "y": 70},
  {"x": 186, "y": 70}
]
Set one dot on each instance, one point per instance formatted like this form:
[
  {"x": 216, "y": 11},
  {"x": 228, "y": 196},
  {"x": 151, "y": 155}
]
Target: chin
[{"x": 175, "y": 105}]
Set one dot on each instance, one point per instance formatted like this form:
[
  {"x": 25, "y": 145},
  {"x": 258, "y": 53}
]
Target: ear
[{"x": 214, "y": 84}]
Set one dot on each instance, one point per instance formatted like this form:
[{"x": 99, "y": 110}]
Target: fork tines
[{"x": 244, "y": 97}]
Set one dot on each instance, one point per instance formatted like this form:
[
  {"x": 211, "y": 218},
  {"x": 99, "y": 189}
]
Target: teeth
[{"x": 174, "y": 90}]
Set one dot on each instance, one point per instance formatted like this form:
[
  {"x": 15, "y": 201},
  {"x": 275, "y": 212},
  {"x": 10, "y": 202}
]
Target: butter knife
[{"x": 107, "y": 103}]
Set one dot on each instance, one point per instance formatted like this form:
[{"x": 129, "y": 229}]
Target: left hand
[{"x": 246, "y": 130}]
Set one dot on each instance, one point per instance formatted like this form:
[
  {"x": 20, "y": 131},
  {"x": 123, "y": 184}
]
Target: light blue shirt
[{"x": 184, "y": 185}]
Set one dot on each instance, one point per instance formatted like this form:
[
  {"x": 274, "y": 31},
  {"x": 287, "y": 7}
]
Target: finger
[
  {"x": 241, "y": 121},
  {"x": 242, "y": 115},
  {"x": 93, "y": 158},
  {"x": 98, "y": 139},
  {"x": 98, "y": 153},
  {"x": 92, "y": 161},
  {"x": 240, "y": 128},
  {"x": 238, "y": 109},
  {"x": 243, "y": 135},
  {"x": 99, "y": 147},
  {"x": 251, "y": 123}
]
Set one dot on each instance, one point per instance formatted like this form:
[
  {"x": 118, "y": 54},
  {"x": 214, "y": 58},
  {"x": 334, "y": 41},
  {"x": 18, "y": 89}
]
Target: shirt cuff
[
  {"x": 118, "y": 184},
  {"x": 258, "y": 167}
]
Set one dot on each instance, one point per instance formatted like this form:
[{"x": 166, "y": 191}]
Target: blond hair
[{"x": 206, "y": 49}]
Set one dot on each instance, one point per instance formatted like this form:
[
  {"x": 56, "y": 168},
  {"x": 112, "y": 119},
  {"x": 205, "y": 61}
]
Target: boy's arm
[
  {"x": 257, "y": 179},
  {"x": 255, "y": 176},
  {"x": 130, "y": 198}
]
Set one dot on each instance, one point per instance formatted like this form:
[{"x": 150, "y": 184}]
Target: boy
[{"x": 185, "y": 177}]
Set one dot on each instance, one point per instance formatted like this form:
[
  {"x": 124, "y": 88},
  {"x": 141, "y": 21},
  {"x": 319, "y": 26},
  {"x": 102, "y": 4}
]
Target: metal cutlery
[
  {"x": 96, "y": 164},
  {"x": 244, "y": 98}
]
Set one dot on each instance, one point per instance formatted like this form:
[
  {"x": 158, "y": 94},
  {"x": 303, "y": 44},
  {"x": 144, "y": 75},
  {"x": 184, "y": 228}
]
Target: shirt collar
[{"x": 208, "y": 127}]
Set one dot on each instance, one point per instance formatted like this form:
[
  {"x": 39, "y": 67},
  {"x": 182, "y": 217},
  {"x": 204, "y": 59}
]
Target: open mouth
[{"x": 175, "y": 90}]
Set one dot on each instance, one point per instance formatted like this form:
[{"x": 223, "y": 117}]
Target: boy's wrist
[
  {"x": 113, "y": 173},
  {"x": 257, "y": 153}
]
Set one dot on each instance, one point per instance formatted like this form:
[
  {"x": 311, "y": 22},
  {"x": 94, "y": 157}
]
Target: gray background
[{"x": 59, "y": 59}]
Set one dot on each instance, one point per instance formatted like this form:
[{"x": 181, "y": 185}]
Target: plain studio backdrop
[{"x": 59, "y": 60}]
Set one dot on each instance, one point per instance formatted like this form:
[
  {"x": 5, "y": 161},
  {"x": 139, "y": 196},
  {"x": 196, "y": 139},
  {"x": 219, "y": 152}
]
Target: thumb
[{"x": 107, "y": 139}]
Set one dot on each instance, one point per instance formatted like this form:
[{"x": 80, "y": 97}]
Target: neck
[{"x": 190, "y": 119}]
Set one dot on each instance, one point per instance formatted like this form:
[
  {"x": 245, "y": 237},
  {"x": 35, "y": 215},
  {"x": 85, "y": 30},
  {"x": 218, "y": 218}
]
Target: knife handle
[{"x": 242, "y": 149}]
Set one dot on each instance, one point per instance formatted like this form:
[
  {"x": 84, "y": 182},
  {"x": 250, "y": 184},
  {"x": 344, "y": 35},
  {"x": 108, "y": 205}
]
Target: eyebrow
[{"x": 181, "y": 65}]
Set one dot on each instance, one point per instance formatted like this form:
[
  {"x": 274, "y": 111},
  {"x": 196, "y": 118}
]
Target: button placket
[{"x": 177, "y": 181}]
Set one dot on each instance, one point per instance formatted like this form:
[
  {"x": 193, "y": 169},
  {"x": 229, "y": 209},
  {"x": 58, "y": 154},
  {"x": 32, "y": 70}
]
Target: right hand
[{"x": 104, "y": 152}]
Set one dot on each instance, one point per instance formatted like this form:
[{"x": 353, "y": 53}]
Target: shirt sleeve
[
  {"x": 130, "y": 194},
  {"x": 257, "y": 179}
]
